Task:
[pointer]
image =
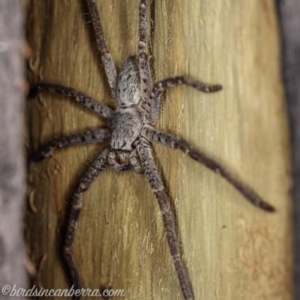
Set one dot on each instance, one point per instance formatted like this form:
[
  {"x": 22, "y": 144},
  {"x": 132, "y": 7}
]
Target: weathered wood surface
[{"x": 232, "y": 250}]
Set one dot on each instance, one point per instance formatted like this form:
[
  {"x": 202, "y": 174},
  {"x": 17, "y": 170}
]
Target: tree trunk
[{"x": 231, "y": 249}]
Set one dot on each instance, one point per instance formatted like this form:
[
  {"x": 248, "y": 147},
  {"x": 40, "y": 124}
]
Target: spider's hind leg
[
  {"x": 144, "y": 68},
  {"x": 143, "y": 27},
  {"x": 107, "y": 60}
]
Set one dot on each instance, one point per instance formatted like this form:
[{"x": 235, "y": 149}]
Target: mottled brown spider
[{"x": 130, "y": 136}]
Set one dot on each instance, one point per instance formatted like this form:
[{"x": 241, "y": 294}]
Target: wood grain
[{"x": 232, "y": 250}]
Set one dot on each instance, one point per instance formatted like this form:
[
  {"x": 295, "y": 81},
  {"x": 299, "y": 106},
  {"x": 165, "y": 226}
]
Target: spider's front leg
[
  {"x": 98, "y": 166},
  {"x": 172, "y": 141},
  {"x": 148, "y": 164}
]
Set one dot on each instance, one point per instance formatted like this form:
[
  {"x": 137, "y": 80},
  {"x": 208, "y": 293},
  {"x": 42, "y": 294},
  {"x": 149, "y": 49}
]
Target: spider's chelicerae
[{"x": 130, "y": 136}]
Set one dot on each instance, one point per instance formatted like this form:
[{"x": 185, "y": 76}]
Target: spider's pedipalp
[
  {"x": 87, "y": 101},
  {"x": 84, "y": 138},
  {"x": 150, "y": 169},
  {"x": 175, "y": 142},
  {"x": 135, "y": 162},
  {"x": 119, "y": 160},
  {"x": 162, "y": 85},
  {"x": 125, "y": 161},
  {"x": 97, "y": 167}
]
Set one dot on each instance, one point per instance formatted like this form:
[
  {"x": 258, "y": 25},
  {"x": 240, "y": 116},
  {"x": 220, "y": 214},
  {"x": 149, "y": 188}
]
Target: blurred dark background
[{"x": 289, "y": 22}]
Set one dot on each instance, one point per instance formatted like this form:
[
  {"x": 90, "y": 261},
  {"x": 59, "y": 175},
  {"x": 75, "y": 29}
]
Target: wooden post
[{"x": 232, "y": 250}]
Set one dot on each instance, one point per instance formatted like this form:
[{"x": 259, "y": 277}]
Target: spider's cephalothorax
[{"x": 130, "y": 136}]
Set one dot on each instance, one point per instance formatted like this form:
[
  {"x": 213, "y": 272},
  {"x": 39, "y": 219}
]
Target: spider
[{"x": 129, "y": 138}]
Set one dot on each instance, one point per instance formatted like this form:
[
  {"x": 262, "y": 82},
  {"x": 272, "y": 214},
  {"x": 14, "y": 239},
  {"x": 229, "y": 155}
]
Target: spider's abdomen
[
  {"x": 126, "y": 126},
  {"x": 128, "y": 86}
]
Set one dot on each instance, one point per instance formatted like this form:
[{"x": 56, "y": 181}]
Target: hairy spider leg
[
  {"x": 146, "y": 158},
  {"x": 157, "y": 186},
  {"x": 172, "y": 82},
  {"x": 97, "y": 167},
  {"x": 84, "y": 138},
  {"x": 107, "y": 60},
  {"x": 172, "y": 141},
  {"x": 144, "y": 67},
  {"x": 142, "y": 27},
  {"x": 87, "y": 101}
]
